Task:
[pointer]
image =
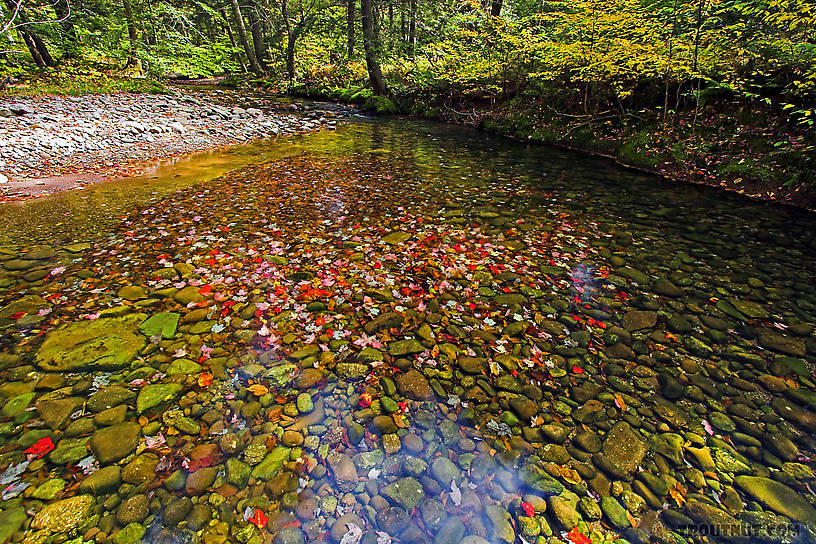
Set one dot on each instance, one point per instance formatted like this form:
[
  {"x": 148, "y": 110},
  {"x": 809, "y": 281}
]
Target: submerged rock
[
  {"x": 101, "y": 344},
  {"x": 778, "y": 497},
  {"x": 65, "y": 515}
]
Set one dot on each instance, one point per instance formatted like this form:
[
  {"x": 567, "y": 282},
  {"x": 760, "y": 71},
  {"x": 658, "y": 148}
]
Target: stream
[{"x": 405, "y": 332}]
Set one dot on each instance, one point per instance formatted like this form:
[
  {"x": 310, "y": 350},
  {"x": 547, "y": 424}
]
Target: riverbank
[
  {"x": 52, "y": 143},
  {"x": 748, "y": 149}
]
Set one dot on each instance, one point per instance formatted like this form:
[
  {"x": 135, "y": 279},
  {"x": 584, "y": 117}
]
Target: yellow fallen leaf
[
  {"x": 569, "y": 474},
  {"x": 401, "y": 421},
  {"x": 143, "y": 421},
  {"x": 258, "y": 390},
  {"x": 678, "y": 493}
]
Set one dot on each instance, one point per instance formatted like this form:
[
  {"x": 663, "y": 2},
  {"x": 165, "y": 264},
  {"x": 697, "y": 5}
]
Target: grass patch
[{"x": 76, "y": 81}]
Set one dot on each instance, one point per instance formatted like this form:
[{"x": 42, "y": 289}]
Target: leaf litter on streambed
[{"x": 311, "y": 295}]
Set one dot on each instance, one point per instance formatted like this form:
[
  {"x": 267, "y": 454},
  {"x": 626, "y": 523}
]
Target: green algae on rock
[{"x": 99, "y": 344}]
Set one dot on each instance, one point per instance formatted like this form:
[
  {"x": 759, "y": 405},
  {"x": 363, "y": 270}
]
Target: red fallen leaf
[
  {"x": 259, "y": 519},
  {"x": 205, "y": 379},
  {"x": 365, "y": 400},
  {"x": 18, "y": 315},
  {"x": 196, "y": 464},
  {"x": 577, "y": 369},
  {"x": 403, "y": 407},
  {"x": 577, "y": 537},
  {"x": 40, "y": 447},
  {"x": 205, "y": 289},
  {"x": 528, "y": 509}
]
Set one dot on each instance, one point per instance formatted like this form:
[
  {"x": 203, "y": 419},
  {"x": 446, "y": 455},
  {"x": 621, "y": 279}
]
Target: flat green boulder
[
  {"x": 163, "y": 324},
  {"x": 778, "y": 497},
  {"x": 272, "y": 463},
  {"x": 155, "y": 394},
  {"x": 100, "y": 344}
]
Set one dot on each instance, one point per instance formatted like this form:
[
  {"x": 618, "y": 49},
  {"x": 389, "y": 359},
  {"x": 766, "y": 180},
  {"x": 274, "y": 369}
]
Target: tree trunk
[
  {"x": 350, "y": 28},
  {"x": 37, "y": 48},
  {"x": 61, "y": 8},
  {"x": 290, "y": 54},
  {"x": 232, "y": 41},
  {"x": 372, "y": 49},
  {"x": 496, "y": 8},
  {"x": 133, "y": 34},
  {"x": 43, "y": 50},
  {"x": 242, "y": 34},
  {"x": 257, "y": 37},
  {"x": 32, "y": 48},
  {"x": 412, "y": 29}
]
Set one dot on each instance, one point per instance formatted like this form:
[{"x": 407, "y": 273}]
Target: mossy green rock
[
  {"x": 163, "y": 324},
  {"x": 115, "y": 442},
  {"x": 406, "y": 492},
  {"x": 380, "y": 105},
  {"x": 104, "y": 480},
  {"x": 100, "y": 344},
  {"x": 405, "y": 347},
  {"x": 49, "y": 489},
  {"x": 65, "y": 515},
  {"x": 129, "y": 534},
  {"x": 183, "y": 366},
  {"x": 238, "y": 472},
  {"x": 778, "y": 497},
  {"x": 17, "y": 405},
  {"x": 624, "y": 447},
  {"x": 304, "y": 403},
  {"x": 10, "y": 522},
  {"x": 614, "y": 512},
  {"x": 272, "y": 463},
  {"x": 155, "y": 394}
]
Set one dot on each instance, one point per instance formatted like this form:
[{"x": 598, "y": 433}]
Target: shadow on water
[{"x": 405, "y": 332}]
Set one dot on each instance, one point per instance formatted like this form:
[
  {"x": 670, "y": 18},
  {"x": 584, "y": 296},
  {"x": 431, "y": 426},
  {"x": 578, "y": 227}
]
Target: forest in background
[{"x": 721, "y": 91}]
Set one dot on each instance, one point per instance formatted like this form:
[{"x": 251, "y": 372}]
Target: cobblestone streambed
[{"x": 407, "y": 333}]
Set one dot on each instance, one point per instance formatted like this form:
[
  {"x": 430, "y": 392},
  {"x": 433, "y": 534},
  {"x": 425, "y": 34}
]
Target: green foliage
[
  {"x": 70, "y": 79},
  {"x": 379, "y": 105}
]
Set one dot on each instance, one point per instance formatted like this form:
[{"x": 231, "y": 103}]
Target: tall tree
[
  {"x": 133, "y": 33},
  {"x": 36, "y": 46},
  {"x": 495, "y": 9},
  {"x": 298, "y": 18},
  {"x": 412, "y": 28},
  {"x": 66, "y": 16},
  {"x": 256, "y": 29},
  {"x": 242, "y": 34},
  {"x": 372, "y": 48},
  {"x": 350, "y": 17},
  {"x": 238, "y": 59}
]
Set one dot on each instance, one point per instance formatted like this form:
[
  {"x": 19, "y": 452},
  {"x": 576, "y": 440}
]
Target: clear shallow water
[{"x": 414, "y": 331}]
